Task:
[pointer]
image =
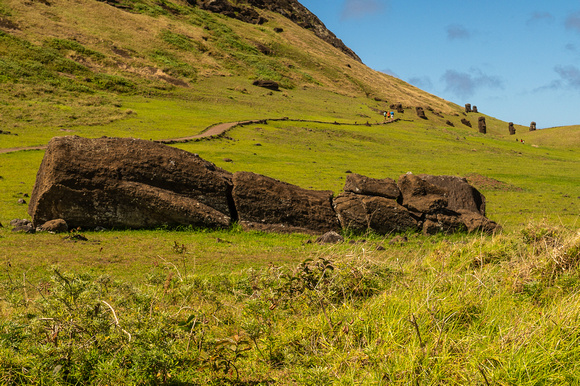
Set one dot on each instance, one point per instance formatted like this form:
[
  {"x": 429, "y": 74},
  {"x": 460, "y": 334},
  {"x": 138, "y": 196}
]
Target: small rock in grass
[{"x": 330, "y": 238}]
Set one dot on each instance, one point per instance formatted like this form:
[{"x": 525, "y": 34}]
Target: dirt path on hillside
[{"x": 211, "y": 131}]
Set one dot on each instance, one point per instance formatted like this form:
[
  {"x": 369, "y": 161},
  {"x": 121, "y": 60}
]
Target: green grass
[
  {"x": 189, "y": 306},
  {"x": 443, "y": 310}
]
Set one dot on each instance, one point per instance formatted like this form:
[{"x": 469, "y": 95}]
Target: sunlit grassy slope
[{"x": 87, "y": 68}]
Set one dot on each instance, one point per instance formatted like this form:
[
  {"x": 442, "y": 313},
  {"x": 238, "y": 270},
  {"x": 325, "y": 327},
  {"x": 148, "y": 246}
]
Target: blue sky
[{"x": 517, "y": 60}]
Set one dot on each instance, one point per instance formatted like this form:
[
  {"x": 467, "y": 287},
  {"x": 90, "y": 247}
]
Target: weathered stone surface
[
  {"x": 482, "y": 125},
  {"x": 511, "y": 128},
  {"x": 22, "y": 226},
  {"x": 243, "y": 13},
  {"x": 444, "y": 222},
  {"x": 55, "y": 226},
  {"x": 359, "y": 213},
  {"x": 351, "y": 212},
  {"x": 269, "y": 84},
  {"x": 466, "y": 122},
  {"x": 459, "y": 193},
  {"x": 359, "y": 184},
  {"x": 533, "y": 126},
  {"x": 474, "y": 109},
  {"x": 476, "y": 222},
  {"x": 449, "y": 123},
  {"x": 420, "y": 112},
  {"x": 266, "y": 204},
  {"x": 468, "y": 107},
  {"x": 421, "y": 196},
  {"x": 18, "y": 222},
  {"x": 128, "y": 183}
]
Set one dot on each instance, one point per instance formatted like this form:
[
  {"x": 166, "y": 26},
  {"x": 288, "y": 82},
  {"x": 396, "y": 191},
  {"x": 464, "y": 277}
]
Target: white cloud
[
  {"x": 456, "y": 31},
  {"x": 465, "y": 84},
  {"x": 358, "y": 9}
]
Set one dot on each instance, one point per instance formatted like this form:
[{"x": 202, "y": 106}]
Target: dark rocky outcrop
[
  {"x": 466, "y": 122},
  {"x": 449, "y": 123},
  {"x": 267, "y": 204},
  {"x": 511, "y": 128},
  {"x": 482, "y": 125},
  {"x": 224, "y": 7},
  {"x": 290, "y": 9},
  {"x": 533, "y": 126},
  {"x": 128, "y": 183},
  {"x": 420, "y": 112},
  {"x": 269, "y": 84}
]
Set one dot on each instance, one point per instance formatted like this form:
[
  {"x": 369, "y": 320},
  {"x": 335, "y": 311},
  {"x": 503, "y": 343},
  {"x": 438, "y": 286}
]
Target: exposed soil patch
[
  {"x": 6, "y": 24},
  {"x": 487, "y": 183}
]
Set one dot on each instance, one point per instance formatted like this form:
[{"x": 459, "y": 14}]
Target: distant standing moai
[
  {"x": 511, "y": 128},
  {"x": 482, "y": 125},
  {"x": 474, "y": 109},
  {"x": 468, "y": 107},
  {"x": 420, "y": 112},
  {"x": 533, "y": 126}
]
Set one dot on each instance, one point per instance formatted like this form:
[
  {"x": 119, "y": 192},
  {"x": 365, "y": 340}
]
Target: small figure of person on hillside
[
  {"x": 392, "y": 115},
  {"x": 385, "y": 115}
]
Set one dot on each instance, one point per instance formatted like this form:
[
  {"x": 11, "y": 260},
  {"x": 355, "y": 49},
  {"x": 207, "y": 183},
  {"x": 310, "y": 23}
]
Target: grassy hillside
[{"x": 193, "y": 307}]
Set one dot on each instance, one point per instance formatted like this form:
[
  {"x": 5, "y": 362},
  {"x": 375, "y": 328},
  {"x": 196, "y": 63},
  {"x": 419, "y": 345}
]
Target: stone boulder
[
  {"x": 22, "y": 226},
  {"x": 482, "y": 125},
  {"x": 420, "y": 195},
  {"x": 444, "y": 222},
  {"x": 386, "y": 187},
  {"x": 128, "y": 183},
  {"x": 466, "y": 122},
  {"x": 330, "y": 238},
  {"x": 359, "y": 213},
  {"x": 461, "y": 196},
  {"x": 269, "y": 84},
  {"x": 511, "y": 128},
  {"x": 54, "y": 226},
  {"x": 266, "y": 204},
  {"x": 476, "y": 222}
]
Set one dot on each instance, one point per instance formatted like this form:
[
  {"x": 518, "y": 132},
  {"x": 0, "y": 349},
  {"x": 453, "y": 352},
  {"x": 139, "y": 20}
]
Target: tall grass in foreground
[{"x": 484, "y": 310}]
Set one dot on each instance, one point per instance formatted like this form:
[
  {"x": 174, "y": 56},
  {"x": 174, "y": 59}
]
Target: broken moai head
[{"x": 421, "y": 113}]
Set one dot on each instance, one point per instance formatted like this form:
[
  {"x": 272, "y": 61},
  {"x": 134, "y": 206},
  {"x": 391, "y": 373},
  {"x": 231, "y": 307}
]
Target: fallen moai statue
[
  {"x": 131, "y": 183},
  {"x": 128, "y": 183}
]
